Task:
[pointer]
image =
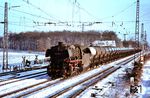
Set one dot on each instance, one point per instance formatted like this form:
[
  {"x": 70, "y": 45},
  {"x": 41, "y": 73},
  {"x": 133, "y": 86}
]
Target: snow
[
  {"x": 19, "y": 75},
  {"x": 110, "y": 91},
  {"x": 146, "y": 80},
  {"x": 22, "y": 84},
  {"x": 104, "y": 84},
  {"x": 15, "y": 58},
  {"x": 55, "y": 88}
]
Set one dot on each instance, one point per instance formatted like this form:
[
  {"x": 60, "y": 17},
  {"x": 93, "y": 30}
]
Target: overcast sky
[{"x": 33, "y": 14}]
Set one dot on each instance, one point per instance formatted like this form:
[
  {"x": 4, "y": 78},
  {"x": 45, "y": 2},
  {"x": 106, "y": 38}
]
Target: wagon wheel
[
  {"x": 65, "y": 70},
  {"x": 73, "y": 70},
  {"x": 93, "y": 62},
  {"x": 64, "y": 73},
  {"x": 80, "y": 65},
  {"x": 48, "y": 70}
]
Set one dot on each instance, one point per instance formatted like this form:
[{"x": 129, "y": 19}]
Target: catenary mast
[{"x": 5, "y": 38}]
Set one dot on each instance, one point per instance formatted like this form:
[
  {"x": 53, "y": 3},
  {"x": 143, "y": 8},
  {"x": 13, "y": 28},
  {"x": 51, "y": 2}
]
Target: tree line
[{"x": 40, "y": 41}]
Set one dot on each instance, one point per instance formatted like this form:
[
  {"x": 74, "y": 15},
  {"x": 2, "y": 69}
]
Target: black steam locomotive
[{"x": 68, "y": 60}]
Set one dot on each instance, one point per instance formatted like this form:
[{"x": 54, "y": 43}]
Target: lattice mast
[
  {"x": 142, "y": 36},
  {"x": 145, "y": 40},
  {"x": 137, "y": 24},
  {"x": 5, "y": 38}
]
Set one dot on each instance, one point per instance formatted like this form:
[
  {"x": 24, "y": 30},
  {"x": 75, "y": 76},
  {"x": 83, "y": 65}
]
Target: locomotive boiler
[
  {"x": 69, "y": 60},
  {"x": 64, "y": 60}
]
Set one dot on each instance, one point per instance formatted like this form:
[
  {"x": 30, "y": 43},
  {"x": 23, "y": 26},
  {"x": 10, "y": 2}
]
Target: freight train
[{"x": 69, "y": 60}]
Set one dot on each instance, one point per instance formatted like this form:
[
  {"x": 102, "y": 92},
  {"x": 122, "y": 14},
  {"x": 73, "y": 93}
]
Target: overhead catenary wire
[
  {"x": 38, "y": 8},
  {"x": 124, "y": 9},
  {"x": 79, "y": 6},
  {"x": 33, "y": 15},
  {"x": 20, "y": 25},
  {"x": 25, "y": 25},
  {"x": 61, "y": 22},
  {"x": 116, "y": 14}
]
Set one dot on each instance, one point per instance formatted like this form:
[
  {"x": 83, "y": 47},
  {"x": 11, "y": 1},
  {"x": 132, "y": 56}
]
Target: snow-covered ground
[
  {"x": 46, "y": 92},
  {"x": 49, "y": 90},
  {"x": 109, "y": 87},
  {"x": 145, "y": 80},
  {"x": 15, "y": 57}
]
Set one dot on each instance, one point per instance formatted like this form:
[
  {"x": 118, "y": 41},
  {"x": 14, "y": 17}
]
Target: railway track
[
  {"x": 35, "y": 88},
  {"x": 20, "y": 75},
  {"x": 31, "y": 89},
  {"x": 105, "y": 72},
  {"x": 23, "y": 88},
  {"x": 92, "y": 82},
  {"x": 86, "y": 83},
  {"x": 21, "y": 78},
  {"x": 19, "y": 71},
  {"x": 57, "y": 83}
]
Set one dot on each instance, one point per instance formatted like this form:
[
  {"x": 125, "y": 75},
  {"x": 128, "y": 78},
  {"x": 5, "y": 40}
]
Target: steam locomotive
[{"x": 69, "y": 60}]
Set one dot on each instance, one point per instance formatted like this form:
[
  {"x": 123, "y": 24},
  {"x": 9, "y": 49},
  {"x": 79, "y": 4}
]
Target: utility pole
[
  {"x": 145, "y": 40},
  {"x": 137, "y": 24},
  {"x": 134, "y": 86},
  {"x": 142, "y": 36},
  {"x": 125, "y": 37},
  {"x": 5, "y": 38},
  {"x": 82, "y": 27},
  {"x": 137, "y": 28},
  {"x": 73, "y": 10}
]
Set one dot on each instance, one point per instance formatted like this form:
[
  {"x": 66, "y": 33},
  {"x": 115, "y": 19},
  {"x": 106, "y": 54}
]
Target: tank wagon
[{"x": 69, "y": 60}]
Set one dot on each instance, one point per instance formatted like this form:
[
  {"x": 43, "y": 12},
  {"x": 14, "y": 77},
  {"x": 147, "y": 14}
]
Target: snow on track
[
  {"x": 20, "y": 74},
  {"x": 21, "y": 84},
  {"x": 52, "y": 89},
  {"x": 146, "y": 80},
  {"x": 49, "y": 89}
]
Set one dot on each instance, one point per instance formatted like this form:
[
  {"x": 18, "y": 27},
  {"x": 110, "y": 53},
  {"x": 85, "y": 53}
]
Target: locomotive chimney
[{"x": 60, "y": 43}]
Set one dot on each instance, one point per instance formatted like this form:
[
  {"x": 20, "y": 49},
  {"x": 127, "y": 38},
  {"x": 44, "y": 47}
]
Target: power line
[
  {"x": 31, "y": 14},
  {"x": 38, "y": 8},
  {"x": 116, "y": 14},
  {"x": 77, "y": 4},
  {"x": 146, "y": 14},
  {"x": 34, "y": 15},
  {"x": 20, "y": 25},
  {"x": 124, "y": 9},
  {"x": 25, "y": 18}
]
